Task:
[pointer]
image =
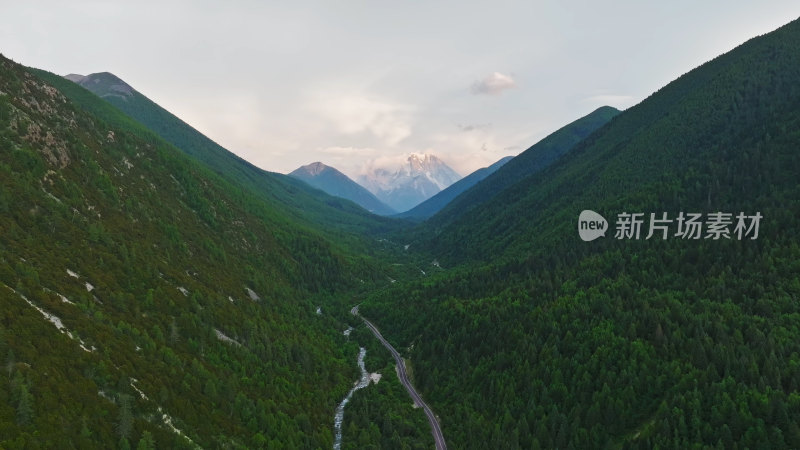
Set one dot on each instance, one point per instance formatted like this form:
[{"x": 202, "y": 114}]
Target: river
[{"x": 339, "y": 417}]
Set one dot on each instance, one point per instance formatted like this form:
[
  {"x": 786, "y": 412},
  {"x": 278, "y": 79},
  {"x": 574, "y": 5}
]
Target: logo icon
[{"x": 591, "y": 225}]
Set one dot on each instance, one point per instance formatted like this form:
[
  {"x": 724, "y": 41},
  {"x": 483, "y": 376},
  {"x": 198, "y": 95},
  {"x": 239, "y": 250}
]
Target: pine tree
[
  {"x": 10, "y": 361},
  {"x": 125, "y": 419},
  {"x": 25, "y": 406},
  {"x": 85, "y": 432},
  {"x": 174, "y": 334},
  {"x": 147, "y": 442}
]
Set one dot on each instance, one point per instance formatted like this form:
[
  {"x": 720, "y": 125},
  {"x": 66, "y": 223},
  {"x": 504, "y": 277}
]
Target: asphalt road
[{"x": 401, "y": 370}]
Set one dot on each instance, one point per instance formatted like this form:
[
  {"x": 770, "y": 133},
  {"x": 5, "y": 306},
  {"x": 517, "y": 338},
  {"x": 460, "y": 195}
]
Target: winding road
[{"x": 403, "y": 375}]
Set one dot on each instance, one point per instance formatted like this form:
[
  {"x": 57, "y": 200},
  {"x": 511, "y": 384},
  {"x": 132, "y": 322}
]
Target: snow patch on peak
[
  {"x": 420, "y": 156},
  {"x": 417, "y": 178}
]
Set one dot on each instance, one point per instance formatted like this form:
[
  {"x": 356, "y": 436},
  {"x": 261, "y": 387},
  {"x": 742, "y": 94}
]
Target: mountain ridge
[
  {"x": 334, "y": 182},
  {"x": 529, "y": 162},
  {"x": 296, "y": 199}
]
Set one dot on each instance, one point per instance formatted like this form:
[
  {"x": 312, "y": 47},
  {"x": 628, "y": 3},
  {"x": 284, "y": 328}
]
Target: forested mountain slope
[
  {"x": 295, "y": 199},
  {"x": 531, "y": 338},
  {"x": 146, "y": 298},
  {"x": 527, "y": 163}
]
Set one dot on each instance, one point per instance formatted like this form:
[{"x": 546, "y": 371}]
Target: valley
[
  {"x": 159, "y": 291},
  {"x": 402, "y": 373}
]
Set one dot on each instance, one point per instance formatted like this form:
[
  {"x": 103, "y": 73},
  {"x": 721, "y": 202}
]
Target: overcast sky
[{"x": 284, "y": 84}]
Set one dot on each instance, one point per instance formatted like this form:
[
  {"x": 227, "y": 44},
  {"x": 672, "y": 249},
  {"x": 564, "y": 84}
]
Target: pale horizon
[{"x": 283, "y": 86}]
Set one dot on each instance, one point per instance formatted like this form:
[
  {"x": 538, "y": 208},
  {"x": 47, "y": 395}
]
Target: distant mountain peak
[
  {"x": 422, "y": 157},
  {"x": 422, "y": 176},
  {"x": 103, "y": 84},
  {"x": 314, "y": 168},
  {"x": 334, "y": 182}
]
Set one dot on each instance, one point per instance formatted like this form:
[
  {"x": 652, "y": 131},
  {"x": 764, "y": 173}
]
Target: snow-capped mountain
[
  {"x": 418, "y": 179},
  {"x": 432, "y": 205}
]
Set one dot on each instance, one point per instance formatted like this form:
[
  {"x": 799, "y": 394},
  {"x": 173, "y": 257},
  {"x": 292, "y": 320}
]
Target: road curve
[{"x": 401, "y": 371}]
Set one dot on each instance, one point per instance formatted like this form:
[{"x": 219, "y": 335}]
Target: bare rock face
[{"x": 35, "y": 110}]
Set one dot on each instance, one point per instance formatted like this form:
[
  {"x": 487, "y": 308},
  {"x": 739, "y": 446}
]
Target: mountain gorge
[
  {"x": 145, "y": 298},
  {"x": 159, "y": 291},
  {"x": 418, "y": 179}
]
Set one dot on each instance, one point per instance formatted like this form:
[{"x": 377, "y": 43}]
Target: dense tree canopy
[
  {"x": 151, "y": 300},
  {"x": 531, "y": 338}
]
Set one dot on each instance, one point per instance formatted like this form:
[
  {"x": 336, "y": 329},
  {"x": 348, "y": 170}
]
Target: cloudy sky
[{"x": 354, "y": 83}]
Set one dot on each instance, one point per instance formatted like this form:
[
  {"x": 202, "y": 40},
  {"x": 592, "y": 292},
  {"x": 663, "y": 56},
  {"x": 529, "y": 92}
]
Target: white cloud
[
  {"x": 493, "y": 84},
  {"x": 348, "y": 160},
  {"x": 348, "y": 151},
  {"x": 467, "y": 152},
  {"x": 359, "y": 114},
  {"x": 388, "y": 162}
]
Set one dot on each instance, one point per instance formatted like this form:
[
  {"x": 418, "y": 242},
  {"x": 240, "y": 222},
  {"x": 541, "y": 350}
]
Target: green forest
[
  {"x": 148, "y": 259},
  {"x": 159, "y": 292},
  {"x": 531, "y": 338}
]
